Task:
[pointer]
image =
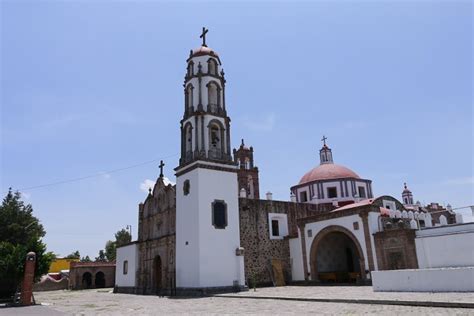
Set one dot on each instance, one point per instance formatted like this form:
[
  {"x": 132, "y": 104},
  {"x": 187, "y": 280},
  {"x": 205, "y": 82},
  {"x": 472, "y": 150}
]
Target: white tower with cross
[{"x": 208, "y": 253}]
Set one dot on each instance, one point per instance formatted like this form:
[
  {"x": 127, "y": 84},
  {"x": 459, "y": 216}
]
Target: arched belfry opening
[
  {"x": 213, "y": 92},
  {"x": 336, "y": 257},
  {"x": 216, "y": 140},
  {"x": 212, "y": 66},
  {"x": 188, "y": 142},
  {"x": 189, "y": 96}
]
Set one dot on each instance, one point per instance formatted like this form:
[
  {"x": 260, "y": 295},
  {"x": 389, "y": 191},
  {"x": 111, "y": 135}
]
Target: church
[{"x": 213, "y": 231}]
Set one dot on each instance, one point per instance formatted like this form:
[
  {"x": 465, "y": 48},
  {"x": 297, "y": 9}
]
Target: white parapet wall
[
  {"x": 424, "y": 280},
  {"x": 445, "y": 246}
]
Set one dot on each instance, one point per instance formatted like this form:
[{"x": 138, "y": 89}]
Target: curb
[{"x": 359, "y": 301}]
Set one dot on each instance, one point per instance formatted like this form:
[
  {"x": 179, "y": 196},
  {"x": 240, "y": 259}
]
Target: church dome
[
  {"x": 202, "y": 51},
  {"x": 328, "y": 171}
]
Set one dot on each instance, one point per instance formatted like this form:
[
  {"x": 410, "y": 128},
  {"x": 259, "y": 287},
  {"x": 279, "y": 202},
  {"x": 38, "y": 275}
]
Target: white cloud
[
  {"x": 105, "y": 175},
  {"x": 460, "y": 181},
  {"x": 168, "y": 181},
  {"x": 147, "y": 184},
  {"x": 25, "y": 196},
  {"x": 264, "y": 124}
]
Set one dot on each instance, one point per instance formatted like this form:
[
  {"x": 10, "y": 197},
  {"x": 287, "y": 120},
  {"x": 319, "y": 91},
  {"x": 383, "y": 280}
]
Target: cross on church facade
[
  {"x": 324, "y": 140},
  {"x": 161, "y": 168},
  {"x": 203, "y": 36}
]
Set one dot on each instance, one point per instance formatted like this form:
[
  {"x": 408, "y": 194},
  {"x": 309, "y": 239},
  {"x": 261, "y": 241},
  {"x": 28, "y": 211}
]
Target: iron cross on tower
[
  {"x": 161, "y": 168},
  {"x": 324, "y": 140},
  {"x": 203, "y": 36}
]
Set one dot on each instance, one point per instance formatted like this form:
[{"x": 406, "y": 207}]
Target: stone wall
[
  {"x": 396, "y": 249},
  {"x": 78, "y": 280},
  {"x": 156, "y": 241},
  {"x": 260, "y": 250},
  {"x": 156, "y": 266}
]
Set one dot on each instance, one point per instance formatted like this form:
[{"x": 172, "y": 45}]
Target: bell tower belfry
[{"x": 208, "y": 253}]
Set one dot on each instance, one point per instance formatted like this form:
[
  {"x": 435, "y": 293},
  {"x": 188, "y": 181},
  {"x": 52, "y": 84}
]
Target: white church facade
[{"x": 211, "y": 232}]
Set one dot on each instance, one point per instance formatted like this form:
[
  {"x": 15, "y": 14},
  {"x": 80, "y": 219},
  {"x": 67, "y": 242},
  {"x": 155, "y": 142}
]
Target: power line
[{"x": 98, "y": 174}]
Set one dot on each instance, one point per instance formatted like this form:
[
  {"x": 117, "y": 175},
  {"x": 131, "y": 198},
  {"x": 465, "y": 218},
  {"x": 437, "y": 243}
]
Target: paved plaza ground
[{"x": 104, "y": 302}]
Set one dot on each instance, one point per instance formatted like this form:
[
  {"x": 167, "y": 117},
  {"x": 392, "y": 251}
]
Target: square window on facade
[
  {"x": 303, "y": 196},
  {"x": 362, "y": 192},
  {"x": 275, "y": 228},
  {"x": 219, "y": 214},
  {"x": 332, "y": 192},
  {"x": 310, "y": 233},
  {"x": 355, "y": 225}
]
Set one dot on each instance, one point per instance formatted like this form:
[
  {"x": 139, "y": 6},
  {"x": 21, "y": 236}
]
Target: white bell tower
[{"x": 208, "y": 253}]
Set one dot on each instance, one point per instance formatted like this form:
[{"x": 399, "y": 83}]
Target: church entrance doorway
[
  {"x": 99, "y": 279},
  {"x": 158, "y": 274},
  {"x": 86, "y": 280},
  {"x": 336, "y": 257}
]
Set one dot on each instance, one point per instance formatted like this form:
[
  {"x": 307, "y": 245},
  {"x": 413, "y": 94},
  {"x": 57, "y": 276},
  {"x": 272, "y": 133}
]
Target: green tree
[
  {"x": 122, "y": 237},
  {"x": 86, "y": 259},
  {"x": 110, "y": 250},
  {"x": 75, "y": 255},
  {"x": 20, "y": 233},
  {"x": 101, "y": 257}
]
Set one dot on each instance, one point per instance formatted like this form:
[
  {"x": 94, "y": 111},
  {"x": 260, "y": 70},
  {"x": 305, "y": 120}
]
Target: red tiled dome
[
  {"x": 204, "y": 50},
  {"x": 328, "y": 171}
]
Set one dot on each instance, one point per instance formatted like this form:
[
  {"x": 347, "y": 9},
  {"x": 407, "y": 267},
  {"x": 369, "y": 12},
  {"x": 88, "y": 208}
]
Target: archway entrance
[
  {"x": 336, "y": 257},
  {"x": 158, "y": 274},
  {"x": 99, "y": 279},
  {"x": 86, "y": 280}
]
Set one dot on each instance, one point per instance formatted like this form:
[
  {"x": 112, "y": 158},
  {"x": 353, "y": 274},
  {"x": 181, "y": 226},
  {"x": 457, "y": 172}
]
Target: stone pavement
[
  {"x": 104, "y": 302},
  {"x": 360, "y": 294}
]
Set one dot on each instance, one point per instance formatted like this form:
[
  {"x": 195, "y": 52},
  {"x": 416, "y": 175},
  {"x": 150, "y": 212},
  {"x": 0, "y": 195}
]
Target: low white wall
[
  {"x": 296, "y": 257},
  {"x": 445, "y": 246},
  {"x": 424, "y": 280},
  {"x": 126, "y": 253}
]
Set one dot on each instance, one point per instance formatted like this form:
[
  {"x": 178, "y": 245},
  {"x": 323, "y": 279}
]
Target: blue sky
[{"x": 88, "y": 87}]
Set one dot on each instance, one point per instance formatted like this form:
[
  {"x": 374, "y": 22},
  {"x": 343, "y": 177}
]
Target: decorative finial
[
  {"x": 149, "y": 191},
  {"x": 203, "y": 36},
  {"x": 405, "y": 185},
  {"x": 324, "y": 140},
  {"x": 242, "y": 143},
  {"x": 161, "y": 168}
]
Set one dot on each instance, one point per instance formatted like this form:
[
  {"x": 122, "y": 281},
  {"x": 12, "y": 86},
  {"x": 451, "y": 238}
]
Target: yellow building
[{"x": 59, "y": 264}]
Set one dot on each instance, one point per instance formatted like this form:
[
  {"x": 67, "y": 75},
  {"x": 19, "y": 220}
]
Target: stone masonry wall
[{"x": 260, "y": 250}]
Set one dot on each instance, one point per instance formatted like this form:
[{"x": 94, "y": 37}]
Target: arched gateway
[{"x": 336, "y": 256}]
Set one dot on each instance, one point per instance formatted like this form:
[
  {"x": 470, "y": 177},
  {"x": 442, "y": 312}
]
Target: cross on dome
[
  {"x": 324, "y": 140},
  {"x": 203, "y": 36}
]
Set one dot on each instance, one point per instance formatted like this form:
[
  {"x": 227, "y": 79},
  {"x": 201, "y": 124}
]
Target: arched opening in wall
[
  {"x": 212, "y": 66},
  {"x": 190, "y": 69},
  {"x": 188, "y": 141},
  {"x": 99, "y": 279},
  {"x": 336, "y": 256},
  {"x": 86, "y": 280},
  {"x": 216, "y": 136},
  {"x": 189, "y": 96},
  {"x": 213, "y": 94},
  {"x": 158, "y": 274}
]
